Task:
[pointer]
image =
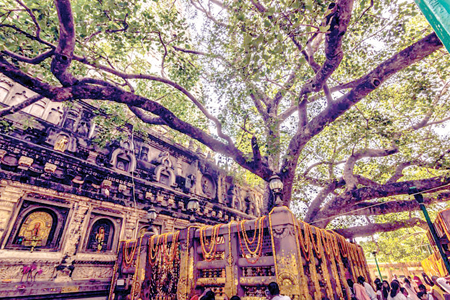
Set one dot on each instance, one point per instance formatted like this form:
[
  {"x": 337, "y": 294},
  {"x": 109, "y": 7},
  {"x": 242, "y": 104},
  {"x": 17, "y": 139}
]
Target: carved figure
[
  {"x": 36, "y": 229},
  {"x": 82, "y": 129},
  {"x": 100, "y": 238},
  {"x": 120, "y": 165},
  {"x": 61, "y": 143},
  {"x": 205, "y": 187}
]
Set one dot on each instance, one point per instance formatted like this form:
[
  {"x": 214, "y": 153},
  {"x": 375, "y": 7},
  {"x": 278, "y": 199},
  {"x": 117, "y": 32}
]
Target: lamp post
[
  {"x": 193, "y": 206},
  {"x": 276, "y": 186},
  {"x": 376, "y": 262},
  {"x": 419, "y": 198}
]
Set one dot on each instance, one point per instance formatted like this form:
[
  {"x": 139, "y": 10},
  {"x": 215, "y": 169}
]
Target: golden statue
[
  {"x": 100, "y": 238},
  {"x": 61, "y": 143},
  {"x": 36, "y": 229}
]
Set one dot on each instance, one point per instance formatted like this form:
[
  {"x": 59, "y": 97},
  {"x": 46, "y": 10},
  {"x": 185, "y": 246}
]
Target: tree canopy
[{"x": 342, "y": 100}]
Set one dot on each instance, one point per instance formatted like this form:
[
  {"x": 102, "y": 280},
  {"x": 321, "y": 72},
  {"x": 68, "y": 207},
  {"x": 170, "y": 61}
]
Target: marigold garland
[
  {"x": 158, "y": 250},
  {"x": 273, "y": 244},
  {"x": 325, "y": 271},
  {"x": 327, "y": 241},
  {"x": 209, "y": 255},
  {"x": 315, "y": 242},
  {"x": 307, "y": 247},
  {"x": 135, "y": 279},
  {"x": 304, "y": 240},
  {"x": 258, "y": 249},
  {"x": 127, "y": 257},
  {"x": 304, "y": 291},
  {"x": 154, "y": 253}
]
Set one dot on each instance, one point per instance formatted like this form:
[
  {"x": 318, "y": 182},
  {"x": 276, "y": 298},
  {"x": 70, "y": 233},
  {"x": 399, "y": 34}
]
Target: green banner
[{"x": 437, "y": 13}]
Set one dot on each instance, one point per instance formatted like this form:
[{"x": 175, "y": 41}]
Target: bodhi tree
[{"x": 341, "y": 99}]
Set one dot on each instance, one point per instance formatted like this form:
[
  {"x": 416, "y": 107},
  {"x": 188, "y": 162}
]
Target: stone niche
[
  {"x": 102, "y": 235},
  {"x": 37, "y": 226}
]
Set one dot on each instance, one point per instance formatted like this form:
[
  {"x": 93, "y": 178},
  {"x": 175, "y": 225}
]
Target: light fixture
[
  {"x": 151, "y": 214},
  {"x": 193, "y": 206},
  {"x": 276, "y": 186}
]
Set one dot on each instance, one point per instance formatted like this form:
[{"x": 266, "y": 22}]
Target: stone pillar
[
  {"x": 168, "y": 225},
  {"x": 72, "y": 242},
  {"x": 75, "y": 228},
  {"x": 9, "y": 196},
  {"x": 130, "y": 225},
  {"x": 285, "y": 253}
]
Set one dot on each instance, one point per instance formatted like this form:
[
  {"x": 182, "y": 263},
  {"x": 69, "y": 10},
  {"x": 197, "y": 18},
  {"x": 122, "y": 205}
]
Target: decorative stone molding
[
  {"x": 50, "y": 168},
  {"x": 25, "y": 162}
]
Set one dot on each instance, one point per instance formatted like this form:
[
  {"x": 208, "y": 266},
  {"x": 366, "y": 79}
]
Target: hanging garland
[
  {"x": 324, "y": 266},
  {"x": 169, "y": 254},
  {"x": 304, "y": 240},
  {"x": 273, "y": 244},
  {"x": 316, "y": 242},
  {"x": 230, "y": 287},
  {"x": 257, "y": 253},
  {"x": 308, "y": 248},
  {"x": 210, "y": 254},
  {"x": 158, "y": 251},
  {"x": 327, "y": 241},
  {"x": 135, "y": 282},
  {"x": 303, "y": 281},
  {"x": 128, "y": 257},
  {"x": 153, "y": 250}
]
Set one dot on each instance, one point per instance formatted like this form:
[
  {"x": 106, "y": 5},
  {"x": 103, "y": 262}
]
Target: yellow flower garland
[{"x": 127, "y": 257}]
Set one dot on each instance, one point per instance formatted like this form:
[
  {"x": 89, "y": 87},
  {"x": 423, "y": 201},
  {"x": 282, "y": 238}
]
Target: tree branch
[
  {"x": 188, "y": 51},
  {"x": 38, "y": 28},
  {"x": 15, "y": 108},
  {"x": 66, "y": 44},
  {"x": 321, "y": 163},
  {"x": 34, "y": 61},
  {"x": 349, "y": 177},
  {"x": 341, "y": 203},
  {"x": 314, "y": 207},
  {"x": 364, "y": 86},
  {"x": 165, "y": 81},
  {"x": 116, "y": 94},
  {"x": 145, "y": 117},
  {"x": 368, "y": 230},
  {"x": 339, "y": 21},
  {"x": 397, "y": 206}
]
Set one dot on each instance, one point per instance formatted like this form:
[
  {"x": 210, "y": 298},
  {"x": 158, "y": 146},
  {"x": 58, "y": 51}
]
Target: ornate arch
[
  {"x": 102, "y": 234},
  {"x": 37, "y": 227},
  {"x": 115, "y": 160}
]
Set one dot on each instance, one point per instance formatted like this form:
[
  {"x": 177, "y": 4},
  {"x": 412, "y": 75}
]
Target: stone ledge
[
  {"x": 27, "y": 256},
  {"x": 86, "y": 257},
  {"x": 52, "y": 290}
]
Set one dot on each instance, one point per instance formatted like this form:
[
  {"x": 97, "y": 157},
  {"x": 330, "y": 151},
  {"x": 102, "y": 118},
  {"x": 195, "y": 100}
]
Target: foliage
[
  {"x": 345, "y": 101},
  {"x": 403, "y": 245}
]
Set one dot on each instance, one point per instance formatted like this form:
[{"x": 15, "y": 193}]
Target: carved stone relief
[
  {"x": 208, "y": 186},
  {"x": 89, "y": 271},
  {"x": 13, "y": 269}
]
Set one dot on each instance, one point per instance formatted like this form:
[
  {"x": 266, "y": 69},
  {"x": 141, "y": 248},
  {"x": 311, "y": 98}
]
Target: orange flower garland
[
  {"x": 209, "y": 255},
  {"x": 304, "y": 240},
  {"x": 127, "y": 257},
  {"x": 258, "y": 249}
]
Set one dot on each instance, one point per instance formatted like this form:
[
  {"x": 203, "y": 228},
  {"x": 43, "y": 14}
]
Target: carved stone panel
[{"x": 208, "y": 186}]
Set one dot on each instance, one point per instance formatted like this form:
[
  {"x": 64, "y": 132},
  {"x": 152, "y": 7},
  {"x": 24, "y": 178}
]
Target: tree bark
[{"x": 368, "y": 230}]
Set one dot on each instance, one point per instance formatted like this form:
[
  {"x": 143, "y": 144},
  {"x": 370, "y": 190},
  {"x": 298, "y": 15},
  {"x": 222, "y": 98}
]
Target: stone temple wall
[{"x": 65, "y": 203}]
